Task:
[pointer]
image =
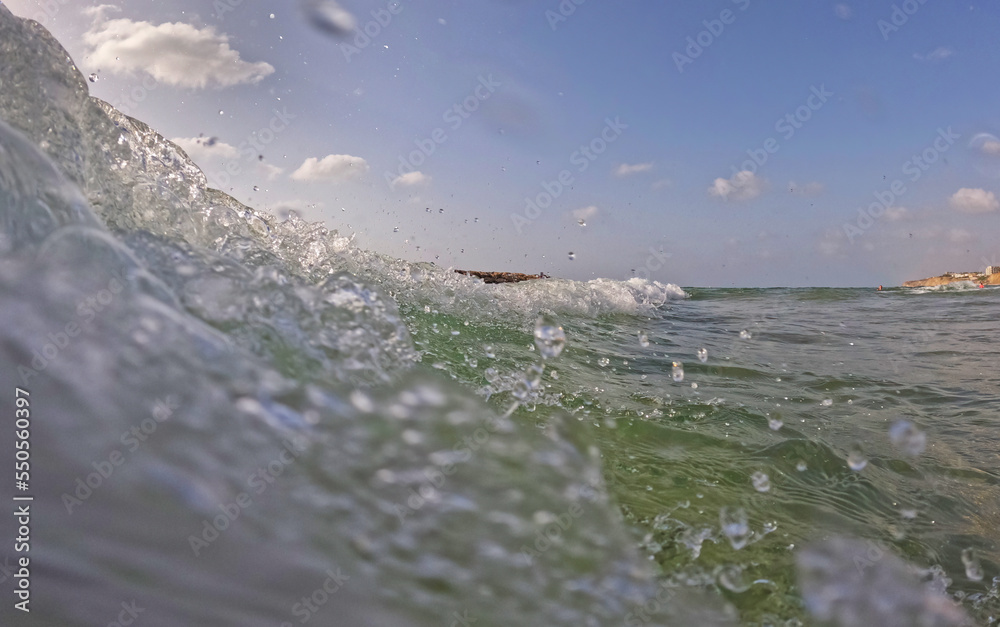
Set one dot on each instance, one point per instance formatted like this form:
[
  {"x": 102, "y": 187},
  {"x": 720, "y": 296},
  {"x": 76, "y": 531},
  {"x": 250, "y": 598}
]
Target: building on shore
[{"x": 992, "y": 269}]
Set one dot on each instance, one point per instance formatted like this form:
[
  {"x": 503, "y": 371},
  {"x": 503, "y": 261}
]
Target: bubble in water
[
  {"x": 702, "y": 355},
  {"x": 603, "y": 362},
  {"x": 488, "y": 349},
  {"x": 856, "y": 457},
  {"x": 801, "y": 466},
  {"x": 271, "y": 16},
  {"x": 731, "y": 578},
  {"x": 775, "y": 422},
  {"x": 93, "y": 78},
  {"x": 643, "y": 339},
  {"x": 746, "y": 335},
  {"x": 905, "y": 436},
  {"x": 733, "y": 521},
  {"x": 572, "y": 256},
  {"x": 761, "y": 482},
  {"x": 678, "y": 371},
  {"x": 221, "y": 112},
  {"x": 549, "y": 337},
  {"x": 826, "y": 402},
  {"x": 534, "y": 375},
  {"x": 973, "y": 568}
]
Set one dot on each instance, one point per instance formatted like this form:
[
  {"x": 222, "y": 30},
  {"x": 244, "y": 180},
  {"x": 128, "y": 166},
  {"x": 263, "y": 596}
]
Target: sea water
[{"x": 239, "y": 420}]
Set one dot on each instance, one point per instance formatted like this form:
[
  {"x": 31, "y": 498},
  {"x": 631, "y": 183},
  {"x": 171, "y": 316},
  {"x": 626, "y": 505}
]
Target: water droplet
[
  {"x": 221, "y": 112},
  {"x": 731, "y": 578},
  {"x": 329, "y": 16},
  {"x": 643, "y": 339},
  {"x": 93, "y": 78},
  {"x": 549, "y": 337},
  {"x": 395, "y": 229},
  {"x": 694, "y": 386},
  {"x": 775, "y": 422},
  {"x": 733, "y": 521},
  {"x": 761, "y": 482},
  {"x": 973, "y": 569},
  {"x": 256, "y": 189},
  {"x": 572, "y": 256},
  {"x": 826, "y": 402},
  {"x": 856, "y": 457},
  {"x": 441, "y": 210},
  {"x": 801, "y": 466},
  {"x": 488, "y": 349},
  {"x": 491, "y": 374},
  {"x": 905, "y": 436},
  {"x": 582, "y": 223},
  {"x": 677, "y": 371},
  {"x": 271, "y": 16},
  {"x": 745, "y": 335},
  {"x": 603, "y": 362},
  {"x": 702, "y": 355}
]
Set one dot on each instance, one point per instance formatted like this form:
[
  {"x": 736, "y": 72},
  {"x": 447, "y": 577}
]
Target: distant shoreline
[{"x": 956, "y": 277}]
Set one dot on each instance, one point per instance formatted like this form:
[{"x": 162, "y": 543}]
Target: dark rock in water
[{"x": 503, "y": 277}]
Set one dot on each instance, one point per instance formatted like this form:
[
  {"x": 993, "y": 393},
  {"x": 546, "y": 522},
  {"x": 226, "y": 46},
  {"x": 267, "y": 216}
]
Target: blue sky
[{"x": 502, "y": 95}]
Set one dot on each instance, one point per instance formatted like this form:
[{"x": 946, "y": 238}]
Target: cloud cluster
[
  {"x": 174, "y": 53},
  {"x": 627, "y": 169},
  {"x": 411, "y": 179},
  {"x": 743, "y": 185},
  {"x": 201, "y": 149},
  {"x": 970, "y": 200},
  {"x": 331, "y": 168}
]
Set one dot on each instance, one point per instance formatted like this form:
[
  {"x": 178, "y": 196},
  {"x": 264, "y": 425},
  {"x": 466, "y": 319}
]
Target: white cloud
[
  {"x": 843, "y": 11},
  {"x": 743, "y": 185},
  {"x": 895, "y": 214},
  {"x": 173, "y": 53},
  {"x": 411, "y": 179},
  {"x": 627, "y": 169},
  {"x": 969, "y": 200},
  {"x": 201, "y": 149},
  {"x": 960, "y": 236},
  {"x": 331, "y": 168},
  {"x": 832, "y": 242},
  {"x": 268, "y": 171},
  {"x": 938, "y": 54},
  {"x": 585, "y": 213},
  {"x": 991, "y": 147},
  {"x": 809, "y": 189},
  {"x": 662, "y": 183}
]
